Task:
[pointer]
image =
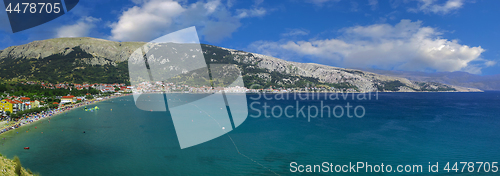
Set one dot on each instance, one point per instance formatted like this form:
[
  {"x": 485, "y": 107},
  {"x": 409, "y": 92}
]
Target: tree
[
  {"x": 17, "y": 161},
  {"x": 88, "y": 97},
  {"x": 52, "y": 106},
  {"x": 14, "y": 116}
]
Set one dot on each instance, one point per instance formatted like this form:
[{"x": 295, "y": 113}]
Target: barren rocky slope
[{"x": 97, "y": 60}]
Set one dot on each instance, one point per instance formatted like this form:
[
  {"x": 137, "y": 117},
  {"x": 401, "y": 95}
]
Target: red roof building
[
  {"x": 17, "y": 101},
  {"x": 10, "y": 101}
]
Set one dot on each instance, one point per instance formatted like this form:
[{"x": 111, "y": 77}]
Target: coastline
[
  {"x": 59, "y": 111},
  {"x": 94, "y": 101}
]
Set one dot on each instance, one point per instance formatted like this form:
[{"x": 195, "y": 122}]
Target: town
[
  {"x": 24, "y": 102},
  {"x": 159, "y": 86},
  {"x": 24, "y": 96},
  {"x": 24, "y": 99}
]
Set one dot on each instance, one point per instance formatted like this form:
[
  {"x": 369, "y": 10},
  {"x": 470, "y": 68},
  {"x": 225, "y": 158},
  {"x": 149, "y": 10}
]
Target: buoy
[{"x": 223, "y": 128}]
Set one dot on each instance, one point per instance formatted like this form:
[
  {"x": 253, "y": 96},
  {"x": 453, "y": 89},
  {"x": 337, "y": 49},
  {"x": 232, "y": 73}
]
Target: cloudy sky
[{"x": 409, "y": 35}]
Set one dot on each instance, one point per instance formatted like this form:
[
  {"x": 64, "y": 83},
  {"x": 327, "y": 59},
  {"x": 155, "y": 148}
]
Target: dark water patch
[{"x": 171, "y": 157}]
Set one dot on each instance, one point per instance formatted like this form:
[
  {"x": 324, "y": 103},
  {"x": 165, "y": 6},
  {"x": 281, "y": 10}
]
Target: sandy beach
[{"x": 33, "y": 119}]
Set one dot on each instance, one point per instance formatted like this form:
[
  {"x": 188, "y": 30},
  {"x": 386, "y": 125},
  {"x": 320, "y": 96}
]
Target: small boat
[{"x": 27, "y": 148}]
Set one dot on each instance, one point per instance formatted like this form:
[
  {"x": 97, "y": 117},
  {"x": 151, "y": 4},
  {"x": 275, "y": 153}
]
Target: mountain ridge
[
  {"x": 464, "y": 79},
  {"x": 90, "y": 59}
]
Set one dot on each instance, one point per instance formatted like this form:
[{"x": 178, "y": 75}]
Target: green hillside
[
  {"x": 73, "y": 67},
  {"x": 90, "y": 60}
]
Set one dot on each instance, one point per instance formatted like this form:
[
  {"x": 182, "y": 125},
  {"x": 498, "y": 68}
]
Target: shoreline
[
  {"x": 55, "y": 113},
  {"x": 278, "y": 92},
  {"x": 66, "y": 109}
]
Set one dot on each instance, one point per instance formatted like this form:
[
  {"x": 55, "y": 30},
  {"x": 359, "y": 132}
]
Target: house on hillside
[
  {"x": 68, "y": 99},
  {"x": 34, "y": 104},
  {"x": 13, "y": 106},
  {"x": 6, "y": 105},
  {"x": 18, "y": 106}
]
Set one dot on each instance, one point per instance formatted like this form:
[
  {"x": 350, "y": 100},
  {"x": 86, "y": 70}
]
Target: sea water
[{"x": 396, "y": 129}]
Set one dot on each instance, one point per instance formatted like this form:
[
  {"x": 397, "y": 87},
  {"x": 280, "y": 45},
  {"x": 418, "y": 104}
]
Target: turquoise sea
[{"x": 397, "y": 129}]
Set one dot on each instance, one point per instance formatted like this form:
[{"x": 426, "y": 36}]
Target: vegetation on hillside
[
  {"x": 63, "y": 68},
  {"x": 36, "y": 90},
  {"x": 10, "y": 167},
  {"x": 396, "y": 86},
  {"x": 75, "y": 65},
  {"x": 390, "y": 86},
  {"x": 216, "y": 55}
]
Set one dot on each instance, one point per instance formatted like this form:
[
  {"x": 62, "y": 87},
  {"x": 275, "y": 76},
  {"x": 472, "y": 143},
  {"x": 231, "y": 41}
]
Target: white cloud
[
  {"x": 405, "y": 46},
  {"x": 254, "y": 12},
  {"x": 258, "y": 2},
  {"x": 430, "y": 6},
  {"x": 80, "y": 29},
  {"x": 320, "y": 2},
  {"x": 211, "y": 6},
  {"x": 373, "y": 4},
  {"x": 146, "y": 21},
  {"x": 230, "y": 3},
  {"x": 152, "y": 18},
  {"x": 295, "y": 32},
  {"x": 490, "y": 63}
]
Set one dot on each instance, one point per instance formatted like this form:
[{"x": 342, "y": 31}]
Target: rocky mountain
[
  {"x": 464, "y": 79},
  {"x": 96, "y": 60}
]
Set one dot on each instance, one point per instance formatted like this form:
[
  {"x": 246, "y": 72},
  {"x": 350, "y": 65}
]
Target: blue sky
[{"x": 410, "y": 35}]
